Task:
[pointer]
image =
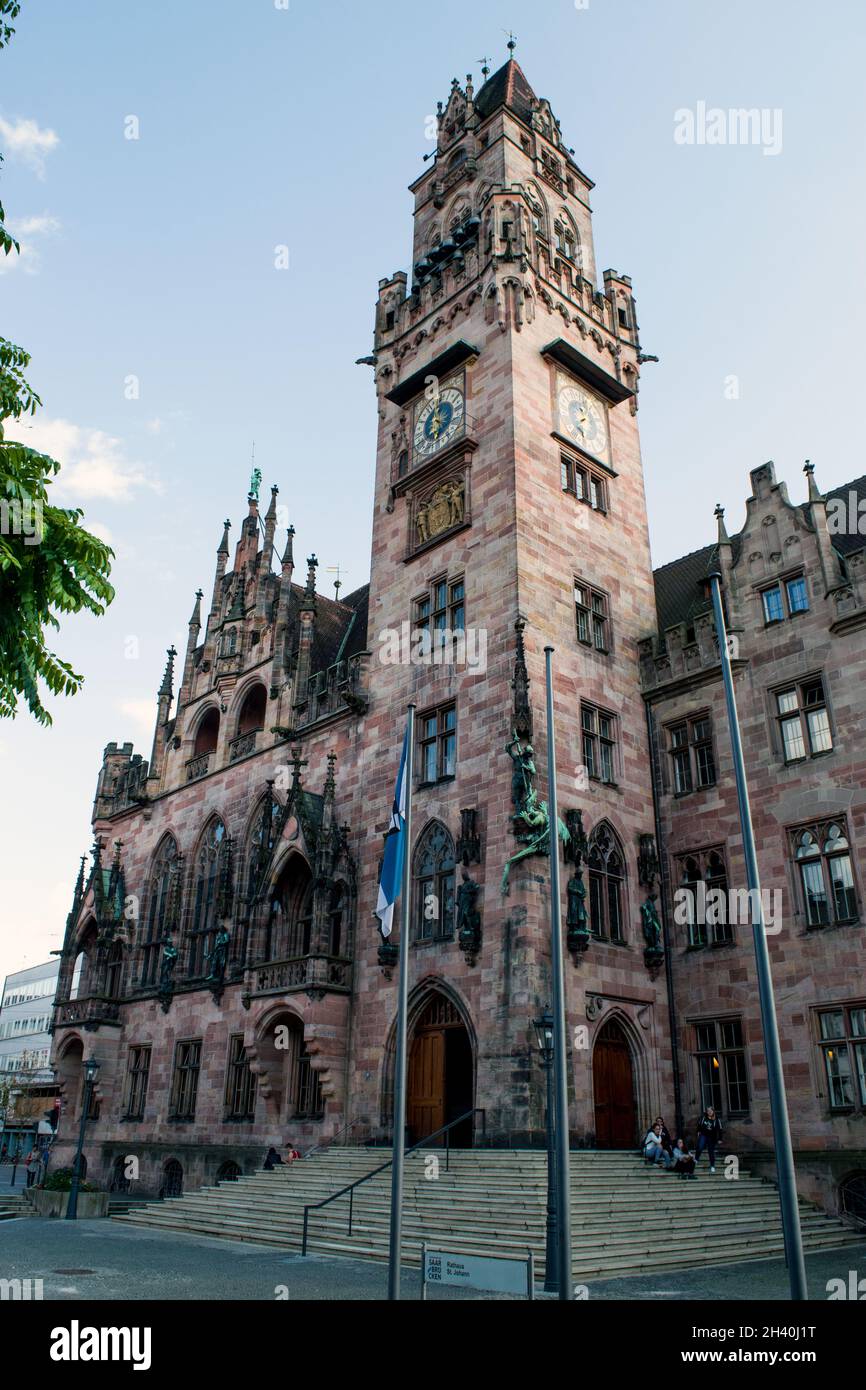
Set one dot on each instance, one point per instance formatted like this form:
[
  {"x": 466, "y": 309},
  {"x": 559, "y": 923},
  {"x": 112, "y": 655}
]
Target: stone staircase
[
  {"x": 626, "y": 1218},
  {"x": 14, "y": 1204}
]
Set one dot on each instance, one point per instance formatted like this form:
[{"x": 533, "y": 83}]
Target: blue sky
[{"x": 261, "y": 126}]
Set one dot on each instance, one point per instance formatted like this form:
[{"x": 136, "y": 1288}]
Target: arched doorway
[
  {"x": 440, "y": 1073},
  {"x": 613, "y": 1089}
]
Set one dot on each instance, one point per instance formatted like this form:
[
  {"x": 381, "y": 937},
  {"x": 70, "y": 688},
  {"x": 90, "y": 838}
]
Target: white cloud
[
  {"x": 93, "y": 462},
  {"x": 25, "y": 140},
  {"x": 27, "y": 231},
  {"x": 141, "y": 712}
]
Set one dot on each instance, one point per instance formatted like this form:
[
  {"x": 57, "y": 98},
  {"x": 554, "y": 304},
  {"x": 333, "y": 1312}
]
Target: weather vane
[
  {"x": 512, "y": 41},
  {"x": 338, "y": 583},
  {"x": 485, "y": 67}
]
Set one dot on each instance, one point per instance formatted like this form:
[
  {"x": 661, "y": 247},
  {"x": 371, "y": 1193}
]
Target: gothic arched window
[
  {"x": 114, "y": 971},
  {"x": 208, "y": 868},
  {"x": 161, "y": 876},
  {"x": 607, "y": 888},
  {"x": 207, "y": 733},
  {"x": 434, "y": 884},
  {"x": 290, "y": 912}
]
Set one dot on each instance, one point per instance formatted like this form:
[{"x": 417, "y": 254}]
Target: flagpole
[
  {"x": 399, "y": 1136},
  {"x": 560, "y": 1054},
  {"x": 775, "y": 1076}
]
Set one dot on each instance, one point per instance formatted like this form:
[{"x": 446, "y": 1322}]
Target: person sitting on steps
[
  {"x": 653, "y": 1148},
  {"x": 682, "y": 1161}
]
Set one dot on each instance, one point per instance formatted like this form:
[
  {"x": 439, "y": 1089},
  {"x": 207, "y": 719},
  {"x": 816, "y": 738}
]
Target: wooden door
[
  {"x": 613, "y": 1086},
  {"x": 426, "y": 1107}
]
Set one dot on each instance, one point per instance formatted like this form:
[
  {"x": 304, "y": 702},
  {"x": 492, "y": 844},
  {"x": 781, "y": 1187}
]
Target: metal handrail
[
  {"x": 346, "y": 1129},
  {"x": 853, "y": 1205},
  {"x": 422, "y": 1144}
]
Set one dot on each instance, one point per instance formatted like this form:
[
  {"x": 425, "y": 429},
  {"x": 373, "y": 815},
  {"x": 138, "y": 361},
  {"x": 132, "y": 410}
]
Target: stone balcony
[
  {"x": 198, "y": 767},
  {"x": 243, "y": 745},
  {"x": 88, "y": 1013},
  {"x": 312, "y": 972}
]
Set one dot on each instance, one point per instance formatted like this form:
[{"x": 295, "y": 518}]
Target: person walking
[{"x": 709, "y": 1134}]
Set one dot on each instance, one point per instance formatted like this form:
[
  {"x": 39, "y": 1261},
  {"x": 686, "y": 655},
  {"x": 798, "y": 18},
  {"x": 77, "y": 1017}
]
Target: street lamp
[
  {"x": 544, "y": 1037},
  {"x": 91, "y": 1067}
]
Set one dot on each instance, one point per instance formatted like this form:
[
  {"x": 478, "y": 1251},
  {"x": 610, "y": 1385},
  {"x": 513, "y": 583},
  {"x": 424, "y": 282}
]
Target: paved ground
[{"x": 106, "y": 1260}]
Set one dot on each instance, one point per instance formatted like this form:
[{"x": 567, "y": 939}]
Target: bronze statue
[
  {"x": 169, "y": 961},
  {"x": 218, "y": 956},
  {"x": 652, "y": 927}
]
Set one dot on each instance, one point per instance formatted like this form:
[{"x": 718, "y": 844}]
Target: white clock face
[
  {"x": 582, "y": 418},
  {"x": 439, "y": 421}
]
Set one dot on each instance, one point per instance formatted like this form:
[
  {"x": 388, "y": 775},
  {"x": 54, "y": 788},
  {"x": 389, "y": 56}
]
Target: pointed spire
[
  {"x": 720, "y": 520},
  {"x": 168, "y": 677},
  {"x": 223, "y": 547},
  {"x": 814, "y": 493},
  {"x": 271, "y": 513},
  {"x": 195, "y": 619},
  {"x": 78, "y": 893},
  {"x": 288, "y": 558},
  {"x": 330, "y": 785},
  {"x": 520, "y": 686},
  {"x": 310, "y": 590}
]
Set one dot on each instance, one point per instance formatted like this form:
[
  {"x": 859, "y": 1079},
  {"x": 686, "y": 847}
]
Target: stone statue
[
  {"x": 169, "y": 960},
  {"x": 652, "y": 927},
  {"x": 421, "y": 523},
  {"x": 577, "y": 918},
  {"x": 522, "y": 772},
  {"x": 218, "y": 957},
  {"x": 468, "y": 916},
  {"x": 455, "y": 493}
]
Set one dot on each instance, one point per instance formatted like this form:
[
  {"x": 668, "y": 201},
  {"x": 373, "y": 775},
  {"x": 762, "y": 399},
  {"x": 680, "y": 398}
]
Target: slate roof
[
  {"x": 507, "y": 87},
  {"x": 678, "y": 586}
]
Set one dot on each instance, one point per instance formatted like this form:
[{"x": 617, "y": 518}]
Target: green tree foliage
[{"x": 49, "y": 564}]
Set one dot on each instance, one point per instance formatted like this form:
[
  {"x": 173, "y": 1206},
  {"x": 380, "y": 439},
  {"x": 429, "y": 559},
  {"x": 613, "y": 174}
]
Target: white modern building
[{"x": 27, "y": 1085}]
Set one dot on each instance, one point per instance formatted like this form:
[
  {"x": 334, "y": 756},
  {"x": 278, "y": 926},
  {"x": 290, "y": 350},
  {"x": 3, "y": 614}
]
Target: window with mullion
[
  {"x": 438, "y": 744},
  {"x": 138, "y": 1072},
  {"x": 599, "y": 738},
  {"x": 720, "y": 1055},
  {"x": 184, "y": 1091},
  {"x": 441, "y": 611},
  {"x": 842, "y": 1045},
  {"x": 804, "y": 720},
  {"x": 693, "y": 762},
  {"x": 592, "y": 616},
  {"x": 823, "y": 858},
  {"x": 240, "y": 1082}
]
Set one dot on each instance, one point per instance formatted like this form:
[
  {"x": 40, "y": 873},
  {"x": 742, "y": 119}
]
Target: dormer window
[{"x": 457, "y": 157}]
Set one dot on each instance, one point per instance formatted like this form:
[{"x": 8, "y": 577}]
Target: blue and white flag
[{"x": 392, "y": 864}]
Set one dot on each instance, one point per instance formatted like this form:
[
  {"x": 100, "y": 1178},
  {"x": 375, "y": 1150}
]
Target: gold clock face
[
  {"x": 438, "y": 422},
  {"x": 583, "y": 419}
]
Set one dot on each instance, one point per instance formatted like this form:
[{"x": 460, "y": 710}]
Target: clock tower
[{"x": 510, "y": 515}]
